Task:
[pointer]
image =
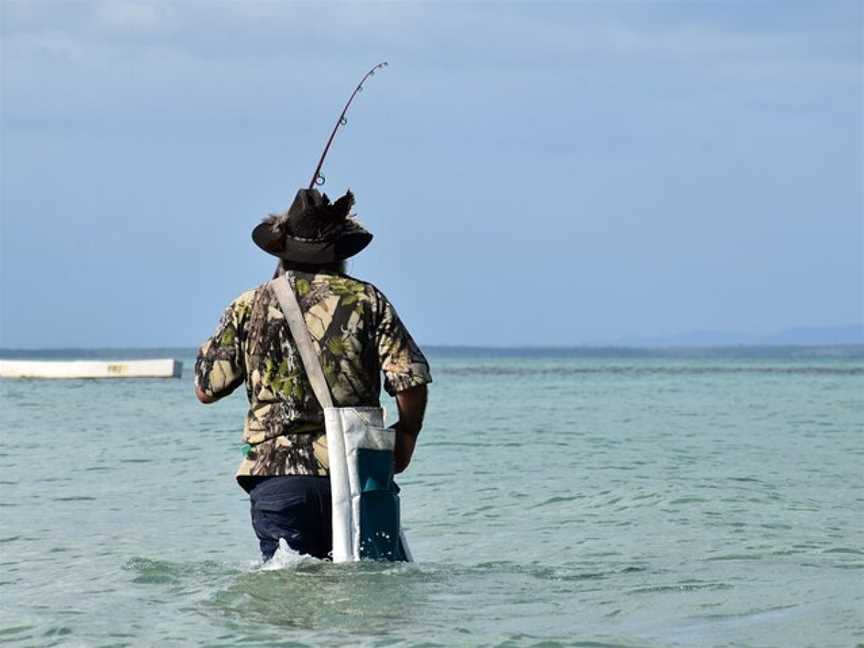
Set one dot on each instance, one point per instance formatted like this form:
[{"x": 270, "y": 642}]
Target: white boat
[{"x": 161, "y": 368}]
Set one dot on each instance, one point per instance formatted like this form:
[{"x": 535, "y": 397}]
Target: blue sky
[{"x": 543, "y": 174}]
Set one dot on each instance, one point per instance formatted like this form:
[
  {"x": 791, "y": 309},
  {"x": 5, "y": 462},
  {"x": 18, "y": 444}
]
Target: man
[{"x": 357, "y": 335}]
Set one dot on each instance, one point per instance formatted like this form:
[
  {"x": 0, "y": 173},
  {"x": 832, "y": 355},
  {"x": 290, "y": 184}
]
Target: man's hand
[
  {"x": 412, "y": 406},
  {"x": 204, "y": 398}
]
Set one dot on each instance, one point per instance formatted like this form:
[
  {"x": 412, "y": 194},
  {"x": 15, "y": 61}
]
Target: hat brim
[{"x": 290, "y": 249}]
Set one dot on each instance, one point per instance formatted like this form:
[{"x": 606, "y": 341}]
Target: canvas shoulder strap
[{"x": 311, "y": 362}]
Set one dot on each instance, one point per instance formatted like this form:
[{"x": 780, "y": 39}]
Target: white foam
[{"x": 286, "y": 558}]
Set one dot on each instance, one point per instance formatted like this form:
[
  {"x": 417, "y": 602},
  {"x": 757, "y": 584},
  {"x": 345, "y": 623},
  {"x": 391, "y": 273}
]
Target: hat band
[
  {"x": 313, "y": 240},
  {"x": 348, "y": 227}
]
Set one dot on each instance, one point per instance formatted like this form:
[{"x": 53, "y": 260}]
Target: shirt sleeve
[
  {"x": 219, "y": 368},
  {"x": 402, "y": 361}
]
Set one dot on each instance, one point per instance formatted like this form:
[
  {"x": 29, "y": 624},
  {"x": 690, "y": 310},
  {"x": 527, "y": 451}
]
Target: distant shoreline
[{"x": 788, "y": 351}]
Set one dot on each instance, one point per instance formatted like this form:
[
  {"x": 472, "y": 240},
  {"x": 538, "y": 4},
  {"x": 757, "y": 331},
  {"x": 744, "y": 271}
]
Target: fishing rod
[{"x": 318, "y": 177}]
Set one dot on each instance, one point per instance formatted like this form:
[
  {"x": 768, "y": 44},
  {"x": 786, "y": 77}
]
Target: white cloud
[
  {"x": 118, "y": 17},
  {"x": 186, "y": 55}
]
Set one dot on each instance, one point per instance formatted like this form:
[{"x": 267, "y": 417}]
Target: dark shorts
[{"x": 294, "y": 507}]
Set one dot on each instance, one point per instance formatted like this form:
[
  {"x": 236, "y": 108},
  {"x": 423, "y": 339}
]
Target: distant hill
[{"x": 809, "y": 336}]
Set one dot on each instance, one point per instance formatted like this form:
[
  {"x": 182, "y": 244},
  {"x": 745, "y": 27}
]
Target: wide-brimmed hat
[{"x": 313, "y": 230}]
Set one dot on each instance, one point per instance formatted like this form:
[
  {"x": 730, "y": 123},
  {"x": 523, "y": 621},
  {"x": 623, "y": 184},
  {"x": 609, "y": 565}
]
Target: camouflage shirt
[{"x": 355, "y": 331}]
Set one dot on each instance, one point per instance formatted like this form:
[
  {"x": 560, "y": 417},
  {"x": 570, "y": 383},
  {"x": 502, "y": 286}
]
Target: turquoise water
[{"x": 555, "y": 499}]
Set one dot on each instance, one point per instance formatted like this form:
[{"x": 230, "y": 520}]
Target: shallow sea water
[{"x": 554, "y": 500}]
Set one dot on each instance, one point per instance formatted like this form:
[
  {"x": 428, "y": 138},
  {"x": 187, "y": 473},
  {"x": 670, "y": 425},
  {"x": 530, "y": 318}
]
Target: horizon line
[{"x": 515, "y": 347}]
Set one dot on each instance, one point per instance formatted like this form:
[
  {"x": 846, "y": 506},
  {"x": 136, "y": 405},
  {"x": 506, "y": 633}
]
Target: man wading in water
[{"x": 357, "y": 335}]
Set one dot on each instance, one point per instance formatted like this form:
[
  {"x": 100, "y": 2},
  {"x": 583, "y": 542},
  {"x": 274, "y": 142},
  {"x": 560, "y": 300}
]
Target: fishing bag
[{"x": 365, "y": 498}]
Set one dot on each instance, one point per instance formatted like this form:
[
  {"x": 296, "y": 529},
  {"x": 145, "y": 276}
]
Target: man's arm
[
  {"x": 406, "y": 373},
  {"x": 219, "y": 367},
  {"x": 412, "y": 406}
]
